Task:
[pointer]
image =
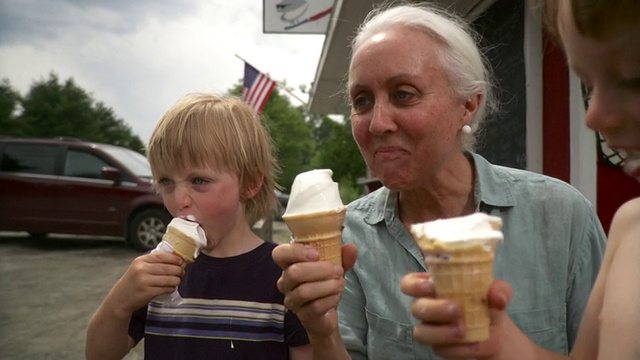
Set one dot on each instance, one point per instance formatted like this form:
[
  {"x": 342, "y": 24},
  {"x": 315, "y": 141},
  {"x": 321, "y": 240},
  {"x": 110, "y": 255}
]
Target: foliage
[
  {"x": 303, "y": 142},
  {"x": 52, "y": 109},
  {"x": 338, "y": 151},
  {"x": 291, "y": 135},
  {"x": 9, "y": 103},
  {"x": 306, "y": 142}
]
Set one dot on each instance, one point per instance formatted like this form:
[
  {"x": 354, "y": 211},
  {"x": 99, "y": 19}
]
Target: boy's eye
[
  {"x": 633, "y": 83},
  {"x": 165, "y": 182},
  {"x": 586, "y": 93},
  {"x": 199, "y": 181}
]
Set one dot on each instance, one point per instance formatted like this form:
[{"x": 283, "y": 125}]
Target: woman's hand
[
  {"x": 312, "y": 288},
  {"x": 440, "y": 319}
]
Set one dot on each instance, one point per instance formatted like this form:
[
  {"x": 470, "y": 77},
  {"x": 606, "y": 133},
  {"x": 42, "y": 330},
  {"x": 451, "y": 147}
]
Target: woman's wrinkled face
[
  {"x": 405, "y": 117},
  {"x": 610, "y": 69}
]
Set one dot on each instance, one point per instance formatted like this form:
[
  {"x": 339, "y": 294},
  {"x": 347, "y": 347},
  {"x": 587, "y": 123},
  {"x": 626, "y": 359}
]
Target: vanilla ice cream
[
  {"x": 459, "y": 254},
  {"x": 184, "y": 237},
  {"x": 313, "y": 191},
  {"x": 190, "y": 228},
  {"x": 180, "y": 228},
  {"x": 315, "y": 213},
  {"x": 477, "y": 229}
]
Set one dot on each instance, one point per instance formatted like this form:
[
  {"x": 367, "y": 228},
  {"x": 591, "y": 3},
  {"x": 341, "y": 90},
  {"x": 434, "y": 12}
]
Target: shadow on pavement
[{"x": 63, "y": 242}]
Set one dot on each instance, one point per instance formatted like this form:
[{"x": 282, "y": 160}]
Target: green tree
[
  {"x": 52, "y": 108},
  {"x": 337, "y": 150},
  {"x": 113, "y": 130},
  {"x": 304, "y": 142},
  {"x": 291, "y": 134},
  {"x": 10, "y": 101}
]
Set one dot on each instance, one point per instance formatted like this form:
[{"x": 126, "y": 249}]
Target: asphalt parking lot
[{"x": 49, "y": 289}]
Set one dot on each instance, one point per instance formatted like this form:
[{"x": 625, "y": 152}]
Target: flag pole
[
  {"x": 280, "y": 84},
  {"x": 238, "y": 56}
]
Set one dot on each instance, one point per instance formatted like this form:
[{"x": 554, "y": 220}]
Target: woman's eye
[
  {"x": 401, "y": 95},
  {"x": 359, "y": 102}
]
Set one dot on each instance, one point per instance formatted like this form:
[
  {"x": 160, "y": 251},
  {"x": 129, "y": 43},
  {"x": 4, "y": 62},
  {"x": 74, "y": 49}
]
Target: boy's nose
[
  {"x": 183, "y": 197},
  {"x": 603, "y": 114}
]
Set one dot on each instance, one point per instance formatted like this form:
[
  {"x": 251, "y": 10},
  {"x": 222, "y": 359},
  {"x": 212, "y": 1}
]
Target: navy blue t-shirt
[{"x": 232, "y": 309}]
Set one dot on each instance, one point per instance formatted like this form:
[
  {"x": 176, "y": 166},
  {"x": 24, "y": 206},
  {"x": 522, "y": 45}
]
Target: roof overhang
[{"x": 327, "y": 91}]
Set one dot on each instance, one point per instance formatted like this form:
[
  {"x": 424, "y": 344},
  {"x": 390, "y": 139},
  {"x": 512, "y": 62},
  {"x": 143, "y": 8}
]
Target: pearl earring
[{"x": 466, "y": 129}]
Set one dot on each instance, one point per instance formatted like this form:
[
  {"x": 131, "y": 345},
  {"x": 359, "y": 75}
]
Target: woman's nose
[{"x": 381, "y": 118}]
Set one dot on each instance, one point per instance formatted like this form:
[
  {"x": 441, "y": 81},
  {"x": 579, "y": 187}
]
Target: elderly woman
[
  {"x": 419, "y": 89},
  {"x": 600, "y": 39}
]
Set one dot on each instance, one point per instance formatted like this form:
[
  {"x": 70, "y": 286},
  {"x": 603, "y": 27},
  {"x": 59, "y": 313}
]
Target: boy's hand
[{"x": 148, "y": 276}]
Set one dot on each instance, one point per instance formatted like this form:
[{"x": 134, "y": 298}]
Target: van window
[
  {"x": 29, "y": 158},
  {"x": 82, "y": 164},
  {"x": 136, "y": 162}
]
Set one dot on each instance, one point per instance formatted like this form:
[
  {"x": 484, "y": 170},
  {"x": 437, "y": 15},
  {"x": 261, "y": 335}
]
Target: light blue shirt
[{"x": 551, "y": 254}]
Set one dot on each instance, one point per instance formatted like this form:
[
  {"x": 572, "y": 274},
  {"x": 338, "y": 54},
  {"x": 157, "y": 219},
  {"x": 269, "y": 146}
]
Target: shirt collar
[{"x": 492, "y": 187}]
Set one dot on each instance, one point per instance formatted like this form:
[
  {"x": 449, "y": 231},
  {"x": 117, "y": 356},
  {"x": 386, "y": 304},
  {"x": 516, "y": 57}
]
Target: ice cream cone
[
  {"x": 465, "y": 276},
  {"x": 321, "y": 230},
  {"x": 183, "y": 245},
  {"x": 458, "y": 253}
]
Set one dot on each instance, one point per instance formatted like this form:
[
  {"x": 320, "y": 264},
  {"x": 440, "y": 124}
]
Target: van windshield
[{"x": 136, "y": 162}]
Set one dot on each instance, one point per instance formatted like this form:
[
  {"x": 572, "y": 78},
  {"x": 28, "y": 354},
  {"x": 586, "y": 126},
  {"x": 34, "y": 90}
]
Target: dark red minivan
[{"x": 69, "y": 186}]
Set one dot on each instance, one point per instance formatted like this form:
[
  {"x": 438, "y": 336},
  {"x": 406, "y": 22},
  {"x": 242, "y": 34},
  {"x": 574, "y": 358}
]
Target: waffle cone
[
  {"x": 321, "y": 230},
  {"x": 465, "y": 277},
  {"x": 183, "y": 245}
]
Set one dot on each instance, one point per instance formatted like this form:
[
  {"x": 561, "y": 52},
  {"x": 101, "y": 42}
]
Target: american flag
[{"x": 257, "y": 87}]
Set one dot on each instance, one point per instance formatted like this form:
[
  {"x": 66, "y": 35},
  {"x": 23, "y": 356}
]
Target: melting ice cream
[
  {"x": 313, "y": 191},
  {"x": 315, "y": 213},
  {"x": 457, "y": 233}
]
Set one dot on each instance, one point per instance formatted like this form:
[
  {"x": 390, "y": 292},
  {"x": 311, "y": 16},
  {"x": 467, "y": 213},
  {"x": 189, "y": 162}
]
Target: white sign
[{"x": 297, "y": 16}]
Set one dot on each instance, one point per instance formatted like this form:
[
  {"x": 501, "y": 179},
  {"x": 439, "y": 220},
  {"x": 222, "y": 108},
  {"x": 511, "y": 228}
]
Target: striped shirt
[{"x": 231, "y": 309}]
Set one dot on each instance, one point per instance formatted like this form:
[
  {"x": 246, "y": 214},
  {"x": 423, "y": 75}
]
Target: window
[
  {"x": 29, "y": 158},
  {"x": 83, "y": 164}
]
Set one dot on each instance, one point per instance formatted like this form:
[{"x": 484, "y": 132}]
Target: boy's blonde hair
[
  {"x": 221, "y": 133},
  {"x": 593, "y": 18}
]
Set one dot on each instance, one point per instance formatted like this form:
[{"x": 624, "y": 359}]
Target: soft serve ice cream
[
  {"x": 459, "y": 255},
  {"x": 184, "y": 237},
  {"x": 477, "y": 230},
  {"x": 314, "y": 191},
  {"x": 315, "y": 213}
]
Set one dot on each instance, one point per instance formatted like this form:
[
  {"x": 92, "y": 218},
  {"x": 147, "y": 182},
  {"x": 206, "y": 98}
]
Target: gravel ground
[{"x": 49, "y": 289}]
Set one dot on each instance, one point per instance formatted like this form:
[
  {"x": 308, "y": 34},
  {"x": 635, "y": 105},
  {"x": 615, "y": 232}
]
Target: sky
[{"x": 139, "y": 57}]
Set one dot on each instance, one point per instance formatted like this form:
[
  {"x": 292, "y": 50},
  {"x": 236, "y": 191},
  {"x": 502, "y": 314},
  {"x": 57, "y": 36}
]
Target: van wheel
[{"x": 147, "y": 228}]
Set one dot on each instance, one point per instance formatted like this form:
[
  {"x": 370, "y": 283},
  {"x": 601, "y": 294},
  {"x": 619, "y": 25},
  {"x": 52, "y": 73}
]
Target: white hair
[{"x": 460, "y": 56}]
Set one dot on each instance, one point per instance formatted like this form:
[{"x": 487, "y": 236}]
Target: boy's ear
[{"x": 253, "y": 188}]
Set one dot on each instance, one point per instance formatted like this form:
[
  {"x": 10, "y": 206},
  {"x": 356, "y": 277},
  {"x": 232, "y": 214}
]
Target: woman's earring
[{"x": 466, "y": 129}]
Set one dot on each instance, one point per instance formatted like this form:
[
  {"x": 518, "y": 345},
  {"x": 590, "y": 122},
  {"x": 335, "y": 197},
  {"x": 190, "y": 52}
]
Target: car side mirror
[{"x": 110, "y": 173}]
